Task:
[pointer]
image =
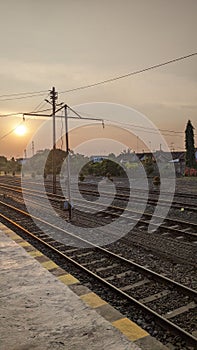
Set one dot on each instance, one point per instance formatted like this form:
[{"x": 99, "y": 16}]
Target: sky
[{"x": 68, "y": 44}]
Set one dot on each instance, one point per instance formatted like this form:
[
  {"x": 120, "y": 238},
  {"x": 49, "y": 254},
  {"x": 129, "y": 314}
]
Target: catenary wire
[
  {"x": 24, "y": 93},
  {"x": 21, "y": 113},
  {"x": 42, "y": 92},
  {"x": 132, "y": 125},
  {"x": 22, "y": 97},
  {"x": 14, "y": 114},
  {"x": 129, "y": 74},
  {"x": 11, "y": 131},
  {"x": 18, "y": 96},
  {"x": 42, "y": 103}
]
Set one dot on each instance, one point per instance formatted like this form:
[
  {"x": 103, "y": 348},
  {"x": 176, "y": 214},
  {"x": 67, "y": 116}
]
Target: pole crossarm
[
  {"x": 77, "y": 114},
  {"x": 60, "y": 116}
]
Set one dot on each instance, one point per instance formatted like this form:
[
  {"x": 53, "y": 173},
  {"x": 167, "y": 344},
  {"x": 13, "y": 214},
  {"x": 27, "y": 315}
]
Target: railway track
[
  {"x": 174, "y": 228},
  {"x": 164, "y": 300},
  {"x": 122, "y": 194},
  {"x": 175, "y": 258},
  {"x": 152, "y": 197}
]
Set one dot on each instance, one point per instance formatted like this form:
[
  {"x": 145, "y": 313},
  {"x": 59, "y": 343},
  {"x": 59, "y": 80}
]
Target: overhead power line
[
  {"x": 25, "y": 95},
  {"x": 129, "y": 74},
  {"x": 21, "y": 113},
  {"x": 15, "y": 114},
  {"x": 11, "y": 131},
  {"x": 41, "y": 104},
  {"x": 39, "y": 107},
  {"x": 167, "y": 132}
]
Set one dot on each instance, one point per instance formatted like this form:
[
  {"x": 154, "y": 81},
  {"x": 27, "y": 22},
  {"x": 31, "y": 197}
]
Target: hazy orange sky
[{"x": 67, "y": 44}]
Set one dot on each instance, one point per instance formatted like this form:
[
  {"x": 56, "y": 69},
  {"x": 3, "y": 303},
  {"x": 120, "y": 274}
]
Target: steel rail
[
  {"x": 189, "y": 338},
  {"x": 163, "y": 226},
  {"x": 64, "y": 217},
  {"x": 164, "y": 279},
  {"x": 178, "y": 194},
  {"x": 175, "y": 204}
]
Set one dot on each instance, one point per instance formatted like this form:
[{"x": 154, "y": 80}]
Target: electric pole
[
  {"x": 53, "y": 97},
  {"x": 68, "y": 162}
]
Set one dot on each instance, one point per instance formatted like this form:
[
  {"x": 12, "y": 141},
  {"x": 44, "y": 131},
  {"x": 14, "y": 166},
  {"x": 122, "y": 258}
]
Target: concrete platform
[{"x": 43, "y": 307}]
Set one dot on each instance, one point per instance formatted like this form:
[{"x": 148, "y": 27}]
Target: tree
[
  {"x": 111, "y": 156},
  {"x": 3, "y": 163},
  {"x": 104, "y": 168},
  {"x": 149, "y": 165},
  {"x": 59, "y": 159},
  {"x": 189, "y": 145}
]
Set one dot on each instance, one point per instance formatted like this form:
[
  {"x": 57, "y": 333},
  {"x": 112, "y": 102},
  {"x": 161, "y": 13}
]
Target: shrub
[
  {"x": 156, "y": 180},
  {"x": 81, "y": 177}
]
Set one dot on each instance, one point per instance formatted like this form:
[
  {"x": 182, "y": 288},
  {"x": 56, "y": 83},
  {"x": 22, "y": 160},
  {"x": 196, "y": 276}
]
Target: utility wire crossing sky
[{"x": 92, "y": 44}]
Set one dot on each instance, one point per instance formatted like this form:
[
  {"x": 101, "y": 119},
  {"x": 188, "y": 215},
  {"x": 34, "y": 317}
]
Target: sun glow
[{"x": 20, "y": 130}]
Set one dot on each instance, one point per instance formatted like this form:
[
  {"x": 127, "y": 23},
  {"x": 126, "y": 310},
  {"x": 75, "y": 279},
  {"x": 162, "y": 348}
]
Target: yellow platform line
[
  {"x": 7, "y": 230},
  {"x": 68, "y": 279},
  {"x": 49, "y": 265},
  {"x": 93, "y": 300},
  {"x": 24, "y": 244},
  {"x": 35, "y": 253},
  {"x": 12, "y": 235},
  {"x": 130, "y": 329}
]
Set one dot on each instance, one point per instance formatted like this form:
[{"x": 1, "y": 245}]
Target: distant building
[
  {"x": 21, "y": 160},
  {"x": 97, "y": 159}
]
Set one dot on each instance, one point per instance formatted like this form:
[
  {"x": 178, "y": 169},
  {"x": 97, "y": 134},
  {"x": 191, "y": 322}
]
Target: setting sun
[{"x": 20, "y": 130}]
